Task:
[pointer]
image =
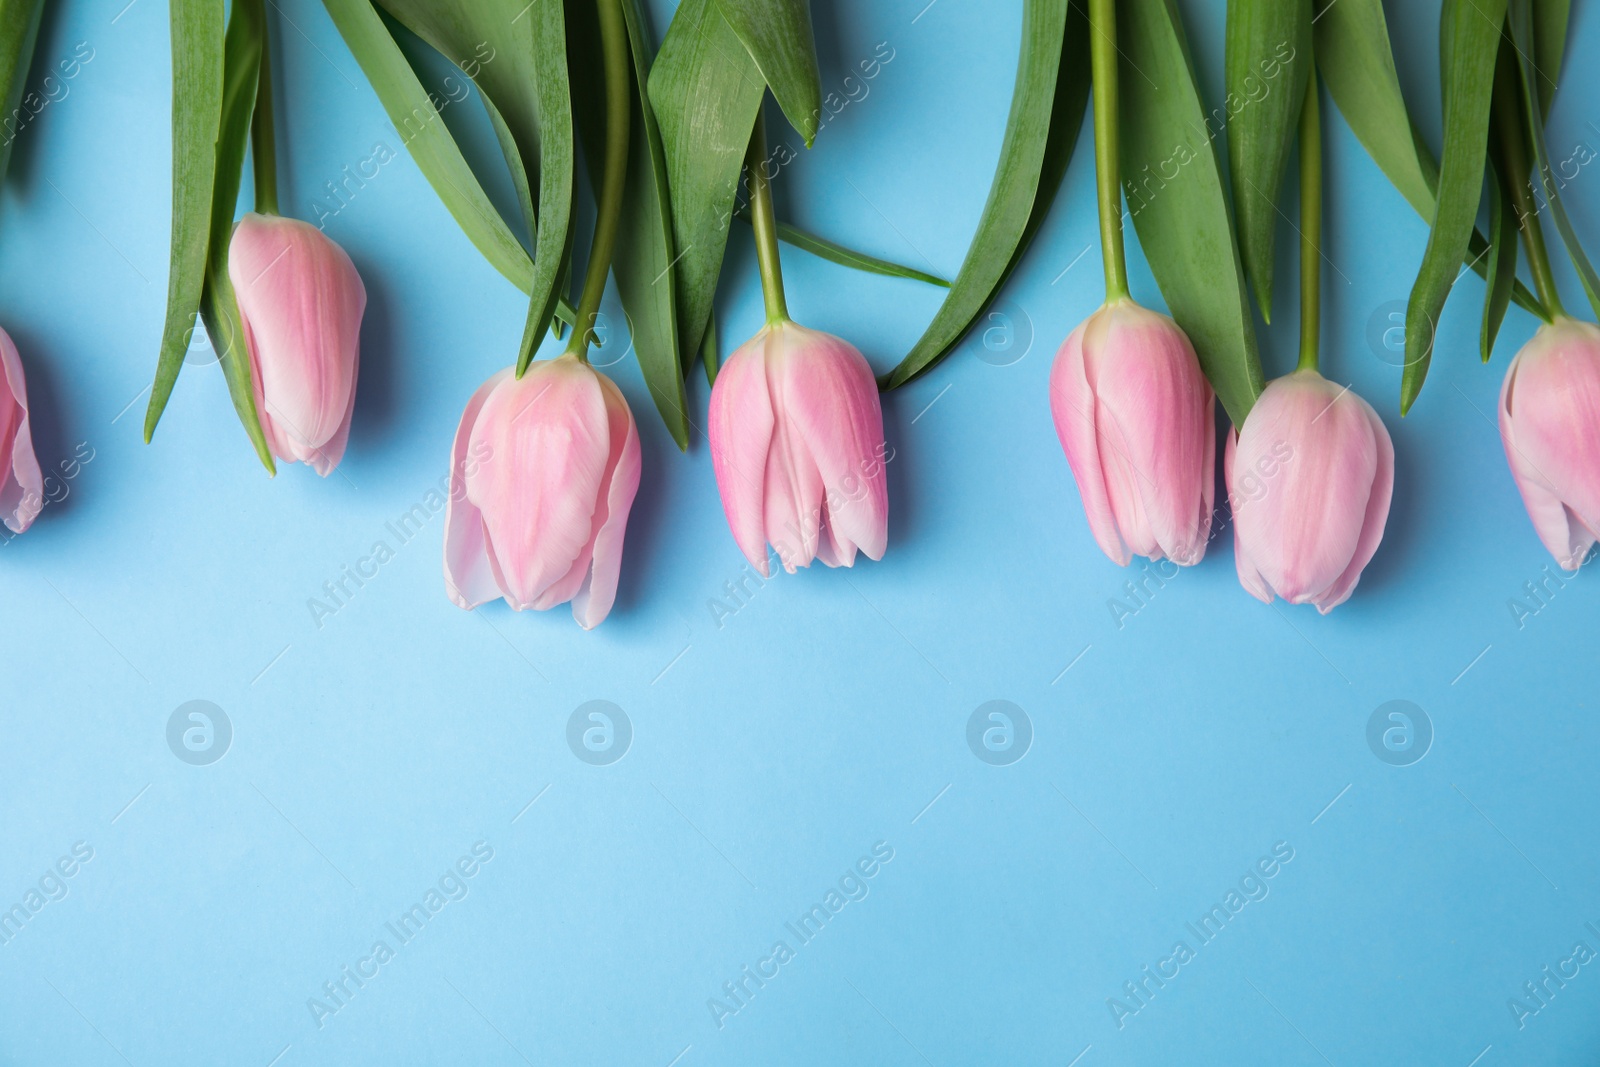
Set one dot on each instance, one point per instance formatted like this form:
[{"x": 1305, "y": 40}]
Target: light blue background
[{"x": 827, "y": 714}]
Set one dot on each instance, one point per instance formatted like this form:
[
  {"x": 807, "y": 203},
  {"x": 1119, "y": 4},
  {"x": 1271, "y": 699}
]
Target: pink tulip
[
  {"x": 542, "y": 475},
  {"x": 797, "y": 444},
  {"x": 1134, "y": 414},
  {"x": 21, "y": 481},
  {"x": 1309, "y": 478},
  {"x": 301, "y": 301},
  {"x": 1550, "y": 425}
]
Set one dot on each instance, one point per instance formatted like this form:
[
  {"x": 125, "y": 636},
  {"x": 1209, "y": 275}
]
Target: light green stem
[
  {"x": 263, "y": 134},
  {"x": 1107, "y": 167},
  {"x": 765, "y": 226},
  {"x": 1310, "y": 225},
  {"x": 614, "y": 41}
]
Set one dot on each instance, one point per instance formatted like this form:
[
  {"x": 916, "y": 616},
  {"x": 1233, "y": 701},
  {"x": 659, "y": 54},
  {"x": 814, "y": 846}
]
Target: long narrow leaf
[
  {"x": 1011, "y": 195},
  {"x": 1357, "y": 65},
  {"x": 1183, "y": 220},
  {"x": 197, "y": 47},
  {"x": 704, "y": 89},
  {"x": 1522, "y": 33},
  {"x": 777, "y": 34},
  {"x": 1502, "y": 260},
  {"x": 823, "y": 248},
  {"x": 218, "y": 306},
  {"x": 19, "y": 29},
  {"x": 1469, "y": 37},
  {"x": 1549, "y": 42},
  {"x": 1268, "y": 57}
]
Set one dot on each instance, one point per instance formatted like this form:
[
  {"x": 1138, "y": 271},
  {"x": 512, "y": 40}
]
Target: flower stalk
[
  {"x": 614, "y": 42},
  {"x": 765, "y": 225},
  {"x": 1507, "y": 113},
  {"x": 1107, "y": 168},
  {"x": 263, "y": 134},
  {"x": 1310, "y": 225}
]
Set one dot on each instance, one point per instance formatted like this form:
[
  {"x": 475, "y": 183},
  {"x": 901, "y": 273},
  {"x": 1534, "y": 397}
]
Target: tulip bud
[
  {"x": 797, "y": 444},
  {"x": 21, "y": 481},
  {"x": 301, "y": 301},
  {"x": 1550, "y": 426},
  {"x": 1134, "y": 414},
  {"x": 1309, "y": 478},
  {"x": 542, "y": 476}
]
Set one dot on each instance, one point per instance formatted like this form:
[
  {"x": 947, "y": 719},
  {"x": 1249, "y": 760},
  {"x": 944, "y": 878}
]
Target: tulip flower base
[{"x": 289, "y": 779}]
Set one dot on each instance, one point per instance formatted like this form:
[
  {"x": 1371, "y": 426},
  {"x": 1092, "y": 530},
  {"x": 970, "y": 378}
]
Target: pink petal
[
  {"x": 740, "y": 428},
  {"x": 22, "y": 482},
  {"x": 1375, "y": 519},
  {"x": 1249, "y": 576},
  {"x": 468, "y": 576},
  {"x": 1072, "y": 405},
  {"x": 593, "y": 601}
]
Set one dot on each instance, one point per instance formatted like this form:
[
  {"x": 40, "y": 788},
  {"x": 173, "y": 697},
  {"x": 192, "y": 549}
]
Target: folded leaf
[
  {"x": 704, "y": 89},
  {"x": 197, "y": 47},
  {"x": 218, "y": 306},
  {"x": 1173, "y": 183},
  {"x": 1268, "y": 59},
  {"x": 19, "y": 28},
  {"x": 1469, "y": 37},
  {"x": 777, "y": 34},
  {"x": 1012, "y": 193}
]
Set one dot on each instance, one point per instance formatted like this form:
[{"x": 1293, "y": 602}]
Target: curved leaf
[
  {"x": 1268, "y": 59},
  {"x": 197, "y": 63},
  {"x": 1502, "y": 260},
  {"x": 1469, "y": 38},
  {"x": 1549, "y": 42},
  {"x": 704, "y": 89},
  {"x": 1173, "y": 183},
  {"x": 777, "y": 34},
  {"x": 1523, "y": 34},
  {"x": 1012, "y": 194},
  {"x": 823, "y": 248},
  {"x": 218, "y": 306}
]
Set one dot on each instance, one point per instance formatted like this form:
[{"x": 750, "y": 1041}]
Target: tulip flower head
[
  {"x": 301, "y": 302},
  {"x": 21, "y": 480},
  {"x": 1310, "y": 477},
  {"x": 1550, "y": 426},
  {"x": 543, "y": 474},
  {"x": 1134, "y": 414},
  {"x": 797, "y": 443}
]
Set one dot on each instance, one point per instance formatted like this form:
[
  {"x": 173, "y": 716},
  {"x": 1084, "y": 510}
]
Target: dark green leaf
[
  {"x": 1183, "y": 220},
  {"x": 708, "y": 350},
  {"x": 1469, "y": 37},
  {"x": 1502, "y": 260},
  {"x": 1549, "y": 42},
  {"x": 1012, "y": 194},
  {"x": 197, "y": 47},
  {"x": 777, "y": 34},
  {"x": 1356, "y": 64},
  {"x": 1269, "y": 56},
  {"x": 218, "y": 306},
  {"x": 19, "y": 28},
  {"x": 1522, "y": 32},
  {"x": 516, "y": 53},
  {"x": 704, "y": 89}
]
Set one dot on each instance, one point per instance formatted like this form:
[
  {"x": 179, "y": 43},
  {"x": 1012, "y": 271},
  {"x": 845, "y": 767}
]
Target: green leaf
[
  {"x": 197, "y": 47},
  {"x": 1012, "y": 194},
  {"x": 704, "y": 89},
  {"x": 1357, "y": 65},
  {"x": 1469, "y": 37},
  {"x": 1268, "y": 60},
  {"x": 1183, "y": 220},
  {"x": 823, "y": 248},
  {"x": 516, "y": 54},
  {"x": 777, "y": 34},
  {"x": 1549, "y": 42},
  {"x": 642, "y": 262},
  {"x": 1522, "y": 33},
  {"x": 427, "y": 138},
  {"x": 19, "y": 29},
  {"x": 218, "y": 306},
  {"x": 1502, "y": 260},
  {"x": 708, "y": 350}
]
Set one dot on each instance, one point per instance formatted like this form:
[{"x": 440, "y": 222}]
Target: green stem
[
  {"x": 1310, "y": 225},
  {"x": 765, "y": 225},
  {"x": 263, "y": 139},
  {"x": 1107, "y": 169},
  {"x": 1508, "y": 112},
  {"x": 614, "y": 41}
]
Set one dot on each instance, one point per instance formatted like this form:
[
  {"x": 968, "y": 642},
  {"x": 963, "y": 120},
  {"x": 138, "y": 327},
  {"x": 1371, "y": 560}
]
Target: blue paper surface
[{"x": 556, "y": 880}]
